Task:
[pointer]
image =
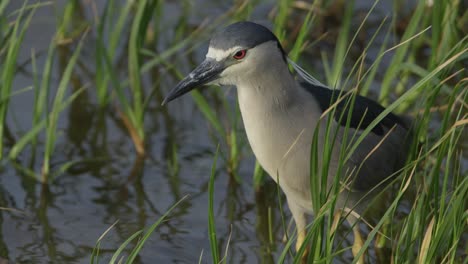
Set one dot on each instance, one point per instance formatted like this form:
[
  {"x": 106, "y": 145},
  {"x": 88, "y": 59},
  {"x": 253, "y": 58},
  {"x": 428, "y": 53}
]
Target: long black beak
[{"x": 206, "y": 72}]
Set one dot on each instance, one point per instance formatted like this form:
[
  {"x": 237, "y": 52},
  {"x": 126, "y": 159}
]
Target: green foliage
[
  {"x": 51, "y": 121},
  {"x": 211, "y": 217},
  {"x": 8, "y": 66},
  {"x": 142, "y": 238},
  {"x": 420, "y": 68}
]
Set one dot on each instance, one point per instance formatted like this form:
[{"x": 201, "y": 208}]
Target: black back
[{"x": 364, "y": 110}]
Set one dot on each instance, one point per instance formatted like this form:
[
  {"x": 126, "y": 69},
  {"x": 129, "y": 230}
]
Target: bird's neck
[
  {"x": 270, "y": 89},
  {"x": 279, "y": 116}
]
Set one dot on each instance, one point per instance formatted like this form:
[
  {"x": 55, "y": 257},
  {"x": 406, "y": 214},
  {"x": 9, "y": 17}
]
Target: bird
[{"x": 282, "y": 114}]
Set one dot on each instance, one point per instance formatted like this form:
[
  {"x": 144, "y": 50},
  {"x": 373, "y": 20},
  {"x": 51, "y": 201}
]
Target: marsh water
[{"x": 108, "y": 184}]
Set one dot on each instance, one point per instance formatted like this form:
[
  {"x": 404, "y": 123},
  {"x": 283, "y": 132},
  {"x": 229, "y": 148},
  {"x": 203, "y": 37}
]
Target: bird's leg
[
  {"x": 301, "y": 234},
  {"x": 358, "y": 243},
  {"x": 300, "y": 219},
  {"x": 288, "y": 229},
  {"x": 380, "y": 239},
  {"x": 336, "y": 221}
]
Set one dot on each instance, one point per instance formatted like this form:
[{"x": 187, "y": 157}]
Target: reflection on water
[{"x": 61, "y": 222}]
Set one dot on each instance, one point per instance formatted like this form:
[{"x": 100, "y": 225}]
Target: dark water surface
[{"x": 61, "y": 222}]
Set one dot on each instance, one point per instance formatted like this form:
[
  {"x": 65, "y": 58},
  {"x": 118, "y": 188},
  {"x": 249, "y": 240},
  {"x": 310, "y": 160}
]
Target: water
[{"x": 61, "y": 222}]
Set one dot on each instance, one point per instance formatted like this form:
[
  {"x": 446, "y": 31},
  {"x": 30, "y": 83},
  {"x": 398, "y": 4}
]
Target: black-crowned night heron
[{"x": 280, "y": 115}]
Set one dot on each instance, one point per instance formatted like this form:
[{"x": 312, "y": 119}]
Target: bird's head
[{"x": 239, "y": 51}]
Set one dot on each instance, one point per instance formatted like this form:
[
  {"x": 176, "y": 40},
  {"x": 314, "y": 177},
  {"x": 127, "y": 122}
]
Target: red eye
[{"x": 240, "y": 54}]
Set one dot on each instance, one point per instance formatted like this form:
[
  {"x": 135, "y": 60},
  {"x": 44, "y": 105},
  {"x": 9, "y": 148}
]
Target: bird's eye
[{"x": 239, "y": 54}]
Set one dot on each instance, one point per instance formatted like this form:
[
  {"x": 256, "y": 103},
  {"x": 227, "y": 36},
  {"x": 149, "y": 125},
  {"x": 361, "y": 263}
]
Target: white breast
[{"x": 280, "y": 135}]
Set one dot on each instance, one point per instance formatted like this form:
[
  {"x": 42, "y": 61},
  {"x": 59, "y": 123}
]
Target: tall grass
[
  {"x": 44, "y": 118},
  {"x": 13, "y": 40},
  {"x": 118, "y": 256},
  {"x": 108, "y": 36},
  {"x": 137, "y": 38},
  {"x": 437, "y": 214},
  {"x": 211, "y": 217},
  {"x": 431, "y": 89},
  {"x": 440, "y": 201},
  {"x": 51, "y": 121},
  {"x": 432, "y": 231}
]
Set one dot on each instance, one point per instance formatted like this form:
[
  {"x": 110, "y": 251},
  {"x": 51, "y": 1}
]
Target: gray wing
[
  {"x": 391, "y": 152},
  {"x": 363, "y": 111}
]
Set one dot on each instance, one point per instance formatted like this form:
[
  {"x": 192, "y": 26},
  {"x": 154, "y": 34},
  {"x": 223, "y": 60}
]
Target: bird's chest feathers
[{"x": 277, "y": 129}]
